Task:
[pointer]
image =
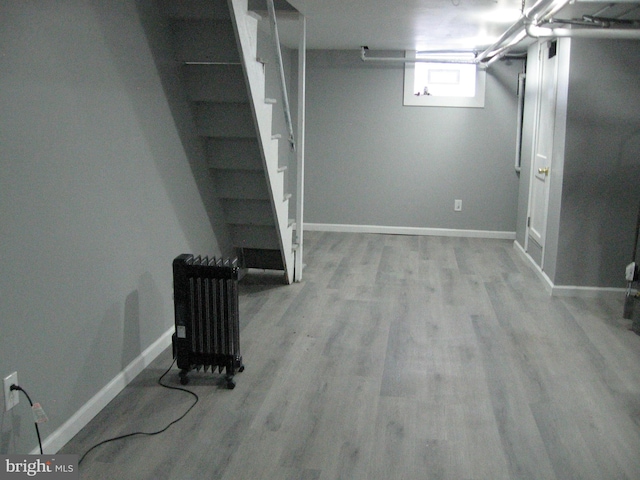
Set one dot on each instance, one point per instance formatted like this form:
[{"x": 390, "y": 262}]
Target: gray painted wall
[
  {"x": 97, "y": 196},
  {"x": 601, "y": 181},
  {"x": 372, "y": 161}
]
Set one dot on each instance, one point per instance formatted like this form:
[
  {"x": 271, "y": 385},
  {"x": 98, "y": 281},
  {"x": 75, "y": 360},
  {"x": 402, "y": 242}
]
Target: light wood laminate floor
[{"x": 397, "y": 357}]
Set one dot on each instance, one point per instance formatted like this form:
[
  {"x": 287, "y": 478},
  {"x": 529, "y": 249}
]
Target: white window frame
[{"x": 410, "y": 99}]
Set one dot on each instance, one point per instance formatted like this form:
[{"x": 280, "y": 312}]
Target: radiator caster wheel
[
  {"x": 183, "y": 378},
  {"x": 231, "y": 384},
  {"x": 241, "y": 369}
]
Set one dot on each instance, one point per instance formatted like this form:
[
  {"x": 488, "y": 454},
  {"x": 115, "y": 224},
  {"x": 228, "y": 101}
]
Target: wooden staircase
[{"x": 215, "y": 42}]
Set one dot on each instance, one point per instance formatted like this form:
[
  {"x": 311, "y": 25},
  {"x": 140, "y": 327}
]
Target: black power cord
[
  {"x": 149, "y": 433},
  {"x": 20, "y": 389}
]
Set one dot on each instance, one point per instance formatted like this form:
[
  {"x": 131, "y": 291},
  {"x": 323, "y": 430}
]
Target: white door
[{"x": 543, "y": 143}]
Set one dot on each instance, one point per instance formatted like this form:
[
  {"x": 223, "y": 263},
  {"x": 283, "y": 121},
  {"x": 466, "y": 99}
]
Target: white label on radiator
[{"x": 182, "y": 331}]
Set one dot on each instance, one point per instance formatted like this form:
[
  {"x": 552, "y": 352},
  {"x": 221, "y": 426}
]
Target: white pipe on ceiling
[
  {"x": 535, "y": 14},
  {"x": 588, "y": 32},
  {"x": 452, "y": 59}
]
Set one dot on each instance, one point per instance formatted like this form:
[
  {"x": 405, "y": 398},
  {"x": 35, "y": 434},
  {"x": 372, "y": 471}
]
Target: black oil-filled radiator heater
[{"x": 206, "y": 316}]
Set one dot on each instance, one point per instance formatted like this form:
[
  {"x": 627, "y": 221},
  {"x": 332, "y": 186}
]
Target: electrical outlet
[
  {"x": 457, "y": 205},
  {"x": 11, "y": 397}
]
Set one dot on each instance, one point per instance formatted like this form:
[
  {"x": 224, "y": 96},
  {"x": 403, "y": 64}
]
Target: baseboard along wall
[
  {"x": 391, "y": 230},
  {"x": 565, "y": 290},
  {"x": 85, "y": 414}
]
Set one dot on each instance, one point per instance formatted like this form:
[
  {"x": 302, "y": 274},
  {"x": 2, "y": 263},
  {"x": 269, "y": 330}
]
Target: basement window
[{"x": 443, "y": 84}]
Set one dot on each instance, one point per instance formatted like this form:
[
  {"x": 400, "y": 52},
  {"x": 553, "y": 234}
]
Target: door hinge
[{"x": 528, "y": 221}]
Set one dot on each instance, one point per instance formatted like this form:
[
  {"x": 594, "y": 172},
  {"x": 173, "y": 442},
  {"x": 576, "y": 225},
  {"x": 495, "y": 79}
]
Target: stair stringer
[{"x": 246, "y": 29}]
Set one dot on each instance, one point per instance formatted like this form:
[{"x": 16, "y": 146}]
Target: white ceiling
[
  {"x": 402, "y": 25},
  {"x": 420, "y": 24}
]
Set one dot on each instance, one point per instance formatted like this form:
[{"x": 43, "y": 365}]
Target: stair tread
[
  {"x": 279, "y": 5},
  {"x": 269, "y": 259},
  {"x": 234, "y": 153},
  {"x": 205, "y": 40},
  {"x": 228, "y": 168},
  {"x": 254, "y": 236},
  {"x": 195, "y": 9},
  {"x": 215, "y": 83},
  {"x": 249, "y": 185},
  {"x": 257, "y": 212},
  {"x": 217, "y": 119}
]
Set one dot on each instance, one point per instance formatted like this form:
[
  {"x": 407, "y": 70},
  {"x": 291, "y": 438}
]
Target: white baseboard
[
  {"x": 438, "y": 232},
  {"x": 54, "y": 442},
  {"x": 548, "y": 284},
  {"x": 566, "y": 290},
  {"x": 588, "y": 292}
]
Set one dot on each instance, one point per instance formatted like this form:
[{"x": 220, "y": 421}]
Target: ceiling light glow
[{"x": 501, "y": 15}]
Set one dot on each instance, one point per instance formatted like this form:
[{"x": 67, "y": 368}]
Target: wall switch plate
[
  {"x": 457, "y": 205},
  {"x": 11, "y": 397}
]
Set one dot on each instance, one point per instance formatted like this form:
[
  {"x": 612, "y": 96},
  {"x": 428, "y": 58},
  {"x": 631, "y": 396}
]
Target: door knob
[{"x": 544, "y": 170}]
